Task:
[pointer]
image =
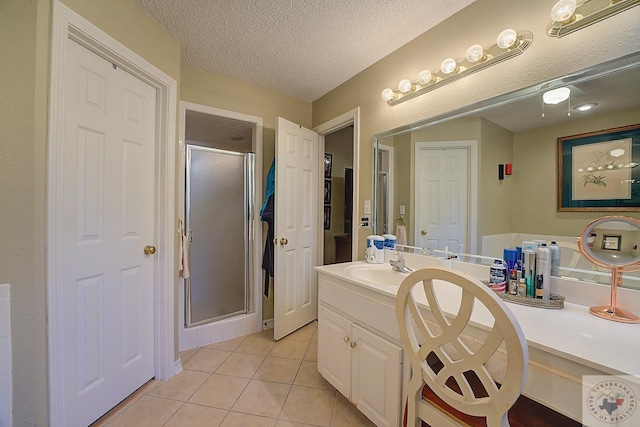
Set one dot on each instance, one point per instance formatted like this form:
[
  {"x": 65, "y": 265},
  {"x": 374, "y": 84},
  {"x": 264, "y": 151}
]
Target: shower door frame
[
  {"x": 248, "y": 191},
  {"x": 189, "y": 338}
]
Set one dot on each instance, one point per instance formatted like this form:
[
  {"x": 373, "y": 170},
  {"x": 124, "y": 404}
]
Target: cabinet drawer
[{"x": 375, "y": 311}]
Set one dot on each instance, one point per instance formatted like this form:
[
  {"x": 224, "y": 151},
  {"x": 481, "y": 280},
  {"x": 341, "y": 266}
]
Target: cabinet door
[
  {"x": 376, "y": 377},
  {"x": 334, "y": 352}
]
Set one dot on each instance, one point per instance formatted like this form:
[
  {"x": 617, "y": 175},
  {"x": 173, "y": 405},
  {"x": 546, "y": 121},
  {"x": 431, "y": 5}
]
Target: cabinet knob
[
  {"x": 345, "y": 339},
  {"x": 353, "y": 344}
]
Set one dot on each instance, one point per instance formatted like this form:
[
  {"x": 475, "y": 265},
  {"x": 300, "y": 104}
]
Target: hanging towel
[
  {"x": 267, "y": 215},
  {"x": 268, "y": 255},
  {"x": 401, "y": 235},
  {"x": 270, "y": 186},
  {"x": 183, "y": 255}
]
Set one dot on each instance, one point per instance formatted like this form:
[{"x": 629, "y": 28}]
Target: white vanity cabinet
[{"x": 360, "y": 363}]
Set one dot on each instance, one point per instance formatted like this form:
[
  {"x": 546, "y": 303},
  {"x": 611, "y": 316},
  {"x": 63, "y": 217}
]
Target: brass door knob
[
  {"x": 149, "y": 250},
  {"x": 423, "y": 232},
  {"x": 283, "y": 241}
]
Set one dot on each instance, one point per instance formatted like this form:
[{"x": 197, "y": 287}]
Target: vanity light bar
[
  {"x": 568, "y": 16},
  {"x": 451, "y": 70}
]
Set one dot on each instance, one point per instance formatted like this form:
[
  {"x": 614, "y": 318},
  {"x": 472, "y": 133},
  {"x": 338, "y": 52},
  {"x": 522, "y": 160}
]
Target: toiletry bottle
[
  {"x": 497, "y": 276},
  {"x": 522, "y": 288},
  {"x": 511, "y": 258},
  {"x": 543, "y": 272},
  {"x": 555, "y": 259},
  {"x": 529, "y": 272}
]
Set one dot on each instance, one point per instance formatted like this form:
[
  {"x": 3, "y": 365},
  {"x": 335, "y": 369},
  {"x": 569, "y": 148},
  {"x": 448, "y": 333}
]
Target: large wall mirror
[{"x": 458, "y": 155}]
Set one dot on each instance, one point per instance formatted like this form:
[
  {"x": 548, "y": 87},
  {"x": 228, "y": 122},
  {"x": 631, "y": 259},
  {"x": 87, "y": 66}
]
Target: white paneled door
[
  {"x": 296, "y": 224},
  {"x": 108, "y": 202},
  {"x": 442, "y": 182}
]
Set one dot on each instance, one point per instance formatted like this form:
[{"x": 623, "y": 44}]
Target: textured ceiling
[{"x": 300, "y": 48}]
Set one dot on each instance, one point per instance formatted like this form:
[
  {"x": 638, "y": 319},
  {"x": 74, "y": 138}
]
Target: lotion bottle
[{"x": 543, "y": 272}]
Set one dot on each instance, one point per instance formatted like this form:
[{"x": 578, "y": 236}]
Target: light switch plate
[{"x": 367, "y": 207}]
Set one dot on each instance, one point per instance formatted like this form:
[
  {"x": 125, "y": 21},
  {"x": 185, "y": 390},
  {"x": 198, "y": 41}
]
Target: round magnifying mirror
[{"x": 613, "y": 242}]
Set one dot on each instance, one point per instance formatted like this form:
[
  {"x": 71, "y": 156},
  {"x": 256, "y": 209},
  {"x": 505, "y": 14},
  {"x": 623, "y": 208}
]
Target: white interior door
[
  {"x": 442, "y": 181},
  {"x": 296, "y": 221},
  {"x": 108, "y": 203}
]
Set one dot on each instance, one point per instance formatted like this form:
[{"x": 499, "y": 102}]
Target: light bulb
[
  {"x": 388, "y": 94},
  {"x": 449, "y": 66},
  {"x": 425, "y": 77},
  {"x": 404, "y": 86},
  {"x": 476, "y": 53},
  {"x": 556, "y": 96},
  {"x": 507, "y": 38},
  {"x": 562, "y": 12}
]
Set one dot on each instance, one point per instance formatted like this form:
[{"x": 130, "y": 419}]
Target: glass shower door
[{"x": 217, "y": 199}]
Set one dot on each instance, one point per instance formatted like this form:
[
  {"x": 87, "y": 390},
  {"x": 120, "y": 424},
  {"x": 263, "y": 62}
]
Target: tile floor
[{"x": 245, "y": 382}]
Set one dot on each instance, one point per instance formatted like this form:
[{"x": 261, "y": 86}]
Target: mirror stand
[{"x": 611, "y": 311}]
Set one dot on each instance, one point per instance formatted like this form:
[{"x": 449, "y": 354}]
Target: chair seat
[{"x": 524, "y": 413}]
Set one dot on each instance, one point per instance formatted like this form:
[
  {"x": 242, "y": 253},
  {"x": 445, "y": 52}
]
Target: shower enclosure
[{"x": 219, "y": 208}]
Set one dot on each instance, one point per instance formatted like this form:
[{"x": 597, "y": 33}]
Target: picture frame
[
  {"x": 327, "y": 191},
  {"x": 328, "y": 159},
  {"x": 327, "y": 217},
  {"x": 596, "y": 171},
  {"x": 611, "y": 242}
]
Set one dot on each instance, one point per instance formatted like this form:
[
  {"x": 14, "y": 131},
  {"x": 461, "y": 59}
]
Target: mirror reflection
[
  {"x": 613, "y": 242},
  {"x": 438, "y": 179}
]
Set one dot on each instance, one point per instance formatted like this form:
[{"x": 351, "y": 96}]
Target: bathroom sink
[{"x": 376, "y": 273}]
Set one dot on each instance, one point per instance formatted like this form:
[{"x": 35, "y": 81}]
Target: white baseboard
[{"x": 267, "y": 324}]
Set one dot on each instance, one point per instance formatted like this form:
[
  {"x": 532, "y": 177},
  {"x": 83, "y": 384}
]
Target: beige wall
[
  {"x": 534, "y": 175},
  {"x": 25, "y": 38},
  {"x": 480, "y": 23},
  {"x": 24, "y": 44}
]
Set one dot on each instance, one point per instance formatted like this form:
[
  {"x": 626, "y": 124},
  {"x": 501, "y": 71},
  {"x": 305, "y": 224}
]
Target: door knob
[
  {"x": 423, "y": 232},
  {"x": 283, "y": 241},
  {"x": 149, "y": 250}
]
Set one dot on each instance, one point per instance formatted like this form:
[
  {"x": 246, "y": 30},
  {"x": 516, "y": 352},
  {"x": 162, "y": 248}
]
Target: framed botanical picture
[
  {"x": 598, "y": 171},
  {"x": 327, "y": 191},
  {"x": 327, "y": 217},
  {"x": 327, "y": 165}
]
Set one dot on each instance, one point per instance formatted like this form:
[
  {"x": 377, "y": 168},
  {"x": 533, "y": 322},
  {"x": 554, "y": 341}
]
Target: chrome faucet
[{"x": 399, "y": 264}]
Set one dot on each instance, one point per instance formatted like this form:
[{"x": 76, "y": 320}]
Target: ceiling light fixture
[
  {"x": 568, "y": 16},
  {"x": 508, "y": 44},
  {"x": 585, "y": 107},
  {"x": 556, "y": 96}
]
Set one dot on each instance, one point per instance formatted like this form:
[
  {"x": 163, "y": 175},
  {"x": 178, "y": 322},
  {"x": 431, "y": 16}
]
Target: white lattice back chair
[{"x": 444, "y": 340}]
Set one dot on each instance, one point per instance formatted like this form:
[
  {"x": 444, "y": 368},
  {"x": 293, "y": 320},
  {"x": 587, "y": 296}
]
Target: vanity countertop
[{"x": 570, "y": 333}]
